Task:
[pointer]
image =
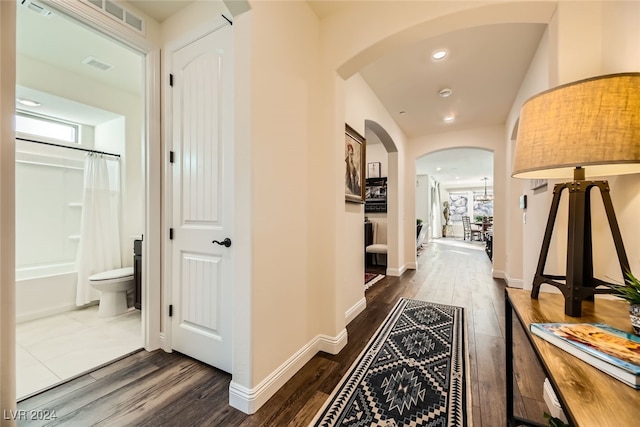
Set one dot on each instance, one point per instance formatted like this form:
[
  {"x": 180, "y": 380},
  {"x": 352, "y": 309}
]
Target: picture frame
[
  {"x": 536, "y": 184},
  {"x": 373, "y": 170},
  {"x": 354, "y": 160}
]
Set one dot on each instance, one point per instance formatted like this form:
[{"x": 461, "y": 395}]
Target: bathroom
[{"x": 62, "y": 330}]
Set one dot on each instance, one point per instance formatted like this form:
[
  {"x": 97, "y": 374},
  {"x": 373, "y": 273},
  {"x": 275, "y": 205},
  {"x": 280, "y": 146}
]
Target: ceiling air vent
[
  {"x": 94, "y": 62},
  {"x": 37, "y": 7},
  {"x": 117, "y": 12}
]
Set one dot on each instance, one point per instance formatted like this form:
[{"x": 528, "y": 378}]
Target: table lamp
[{"x": 588, "y": 128}]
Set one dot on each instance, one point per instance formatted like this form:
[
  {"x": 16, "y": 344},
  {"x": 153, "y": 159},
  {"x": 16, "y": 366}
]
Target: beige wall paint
[
  {"x": 525, "y": 238},
  {"x": 191, "y": 20},
  {"x": 377, "y": 153},
  {"x": 7, "y": 213},
  {"x": 361, "y": 105},
  {"x": 285, "y": 83}
]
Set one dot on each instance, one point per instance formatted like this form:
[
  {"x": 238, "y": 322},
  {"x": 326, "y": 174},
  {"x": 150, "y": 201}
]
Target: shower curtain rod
[{"x": 67, "y": 146}]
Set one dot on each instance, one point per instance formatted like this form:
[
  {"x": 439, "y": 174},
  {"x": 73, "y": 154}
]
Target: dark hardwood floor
[{"x": 161, "y": 389}]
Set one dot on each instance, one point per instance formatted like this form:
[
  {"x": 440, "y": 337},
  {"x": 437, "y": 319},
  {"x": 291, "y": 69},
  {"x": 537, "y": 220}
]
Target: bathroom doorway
[{"x": 78, "y": 91}]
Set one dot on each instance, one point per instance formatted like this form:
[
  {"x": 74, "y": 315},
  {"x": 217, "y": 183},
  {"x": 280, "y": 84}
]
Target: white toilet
[{"x": 113, "y": 286}]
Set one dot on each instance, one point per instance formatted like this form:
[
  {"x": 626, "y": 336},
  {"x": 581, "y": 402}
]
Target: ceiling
[
  {"x": 484, "y": 69},
  {"x": 160, "y": 10}
]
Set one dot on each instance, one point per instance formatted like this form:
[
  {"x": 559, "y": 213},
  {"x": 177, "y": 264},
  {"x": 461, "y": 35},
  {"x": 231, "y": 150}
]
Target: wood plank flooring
[{"x": 160, "y": 389}]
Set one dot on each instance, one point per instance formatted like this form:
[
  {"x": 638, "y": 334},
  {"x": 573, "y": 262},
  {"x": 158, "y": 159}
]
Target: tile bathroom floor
[{"x": 59, "y": 347}]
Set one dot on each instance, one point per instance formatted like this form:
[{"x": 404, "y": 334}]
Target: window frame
[{"x": 44, "y": 118}]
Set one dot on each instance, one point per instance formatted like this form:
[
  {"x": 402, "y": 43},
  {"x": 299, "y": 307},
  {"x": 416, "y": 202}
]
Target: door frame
[
  {"x": 151, "y": 261},
  {"x": 214, "y": 24}
]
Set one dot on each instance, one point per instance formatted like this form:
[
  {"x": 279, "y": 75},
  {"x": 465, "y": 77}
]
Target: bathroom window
[{"x": 47, "y": 128}]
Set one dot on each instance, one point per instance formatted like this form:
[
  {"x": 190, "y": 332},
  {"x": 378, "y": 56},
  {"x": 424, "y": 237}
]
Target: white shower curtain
[{"x": 99, "y": 248}]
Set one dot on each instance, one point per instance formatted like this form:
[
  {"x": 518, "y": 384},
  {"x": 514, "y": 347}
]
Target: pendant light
[{"x": 486, "y": 197}]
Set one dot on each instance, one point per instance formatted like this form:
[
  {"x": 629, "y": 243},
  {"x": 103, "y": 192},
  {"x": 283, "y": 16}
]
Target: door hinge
[
  {"x": 170, "y": 79},
  {"x": 171, "y": 234},
  {"x": 171, "y": 156},
  {"x": 170, "y": 310}
]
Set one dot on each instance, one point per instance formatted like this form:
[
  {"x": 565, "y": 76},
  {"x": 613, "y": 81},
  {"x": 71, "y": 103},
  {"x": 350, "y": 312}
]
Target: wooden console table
[{"x": 588, "y": 396}]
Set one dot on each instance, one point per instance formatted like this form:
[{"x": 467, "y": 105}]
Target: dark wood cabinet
[
  {"x": 368, "y": 240},
  {"x": 137, "y": 273}
]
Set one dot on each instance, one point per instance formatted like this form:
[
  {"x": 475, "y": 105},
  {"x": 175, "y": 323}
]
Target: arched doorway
[{"x": 453, "y": 184}]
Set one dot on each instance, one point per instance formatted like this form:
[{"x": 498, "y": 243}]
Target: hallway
[{"x": 158, "y": 389}]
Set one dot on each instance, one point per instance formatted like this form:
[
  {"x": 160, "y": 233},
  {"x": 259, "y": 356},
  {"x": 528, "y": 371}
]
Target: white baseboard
[
  {"x": 498, "y": 274},
  {"x": 515, "y": 283},
  {"x": 512, "y": 283},
  {"x": 332, "y": 345},
  {"x": 162, "y": 340},
  {"x": 396, "y": 272},
  {"x": 412, "y": 266},
  {"x": 250, "y": 400},
  {"x": 353, "y": 312}
]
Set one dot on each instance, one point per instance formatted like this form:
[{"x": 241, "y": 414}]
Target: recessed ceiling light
[
  {"x": 438, "y": 169},
  {"x": 439, "y": 54},
  {"x": 448, "y": 119},
  {"x": 445, "y": 93},
  {"x": 28, "y": 102}
]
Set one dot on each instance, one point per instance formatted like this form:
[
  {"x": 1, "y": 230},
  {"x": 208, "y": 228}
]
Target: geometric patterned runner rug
[{"x": 413, "y": 372}]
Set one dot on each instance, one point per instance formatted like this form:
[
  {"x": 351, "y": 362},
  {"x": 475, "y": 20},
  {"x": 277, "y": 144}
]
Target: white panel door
[{"x": 203, "y": 199}]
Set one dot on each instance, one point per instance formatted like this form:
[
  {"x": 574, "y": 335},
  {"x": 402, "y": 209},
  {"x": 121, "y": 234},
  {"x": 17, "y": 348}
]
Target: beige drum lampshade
[{"x": 592, "y": 123}]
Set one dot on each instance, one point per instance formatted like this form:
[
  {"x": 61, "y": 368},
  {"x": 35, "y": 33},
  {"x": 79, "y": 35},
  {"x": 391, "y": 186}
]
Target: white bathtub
[{"x": 44, "y": 291}]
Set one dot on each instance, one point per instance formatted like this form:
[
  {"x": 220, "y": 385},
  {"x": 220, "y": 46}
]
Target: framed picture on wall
[
  {"x": 354, "y": 161},
  {"x": 373, "y": 170},
  {"x": 537, "y": 184}
]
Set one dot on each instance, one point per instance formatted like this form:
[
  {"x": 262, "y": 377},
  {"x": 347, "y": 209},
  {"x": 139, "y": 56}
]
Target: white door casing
[{"x": 202, "y": 175}]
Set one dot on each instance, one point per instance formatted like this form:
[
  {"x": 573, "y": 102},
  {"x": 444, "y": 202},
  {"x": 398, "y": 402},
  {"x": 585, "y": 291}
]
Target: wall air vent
[
  {"x": 117, "y": 12},
  {"x": 95, "y": 62},
  {"x": 37, "y": 7}
]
